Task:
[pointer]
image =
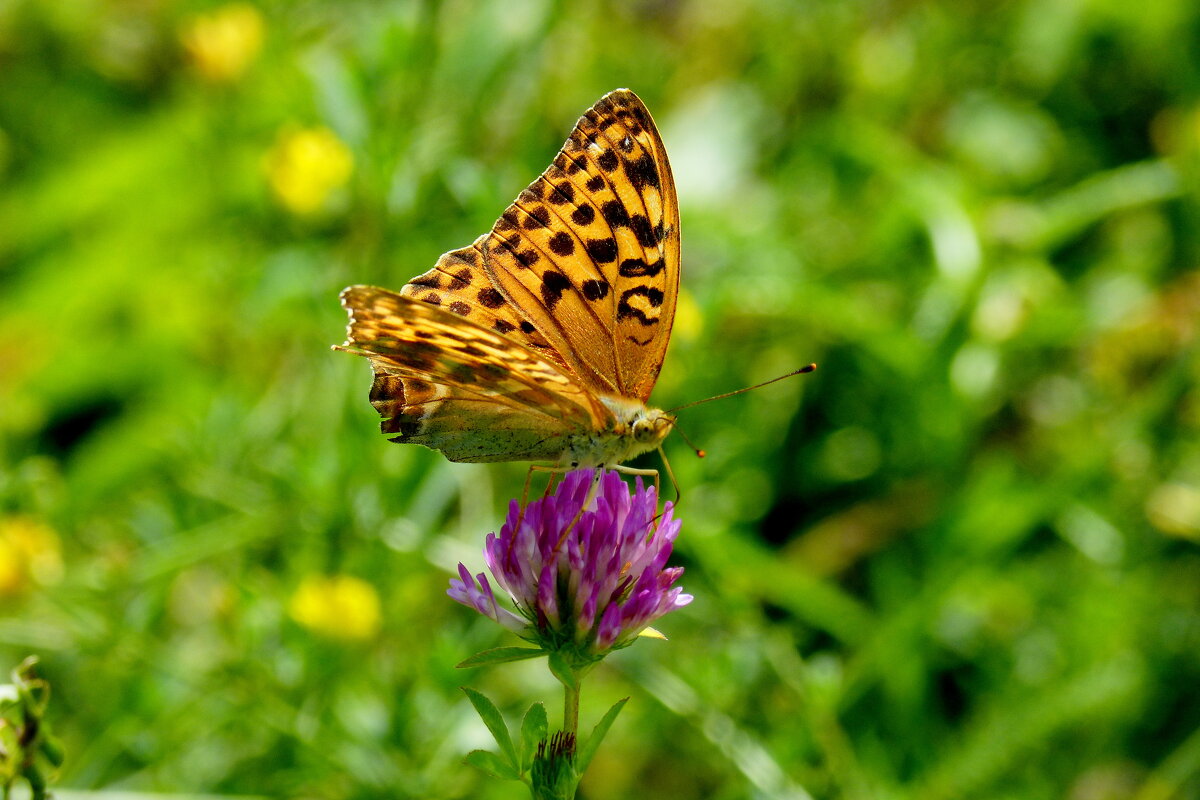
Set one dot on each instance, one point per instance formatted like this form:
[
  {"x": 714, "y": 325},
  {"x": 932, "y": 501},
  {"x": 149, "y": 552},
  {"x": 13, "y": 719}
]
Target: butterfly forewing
[
  {"x": 646, "y": 284},
  {"x": 459, "y": 284},
  {"x": 589, "y": 252}
]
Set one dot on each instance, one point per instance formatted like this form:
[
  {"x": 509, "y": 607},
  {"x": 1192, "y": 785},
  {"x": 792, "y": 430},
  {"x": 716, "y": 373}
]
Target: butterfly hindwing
[
  {"x": 463, "y": 424},
  {"x": 445, "y": 382}
]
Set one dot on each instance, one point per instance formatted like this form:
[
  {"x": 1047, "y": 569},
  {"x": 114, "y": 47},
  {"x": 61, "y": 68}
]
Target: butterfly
[{"x": 543, "y": 339}]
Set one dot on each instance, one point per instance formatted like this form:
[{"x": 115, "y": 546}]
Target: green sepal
[
  {"x": 491, "y": 717},
  {"x": 564, "y": 671},
  {"x": 488, "y": 762},
  {"x": 584, "y": 753},
  {"x": 533, "y": 730},
  {"x": 500, "y": 655}
]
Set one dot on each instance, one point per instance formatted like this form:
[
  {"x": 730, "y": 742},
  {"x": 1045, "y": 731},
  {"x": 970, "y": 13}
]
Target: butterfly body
[
  {"x": 543, "y": 338},
  {"x": 638, "y": 429}
]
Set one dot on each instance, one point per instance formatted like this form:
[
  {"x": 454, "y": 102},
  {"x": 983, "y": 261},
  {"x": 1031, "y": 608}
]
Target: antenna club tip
[
  {"x": 701, "y": 454},
  {"x": 809, "y": 368}
]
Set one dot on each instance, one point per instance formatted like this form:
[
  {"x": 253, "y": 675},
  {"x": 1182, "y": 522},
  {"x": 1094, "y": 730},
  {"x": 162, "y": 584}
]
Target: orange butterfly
[{"x": 543, "y": 339}]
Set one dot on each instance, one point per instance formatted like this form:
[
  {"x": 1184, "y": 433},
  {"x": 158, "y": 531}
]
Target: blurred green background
[{"x": 959, "y": 561}]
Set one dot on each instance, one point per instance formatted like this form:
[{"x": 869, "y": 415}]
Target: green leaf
[
  {"x": 583, "y": 755},
  {"x": 492, "y": 764},
  {"x": 533, "y": 730},
  {"x": 491, "y": 717},
  {"x": 52, "y": 749},
  {"x": 500, "y": 655}
]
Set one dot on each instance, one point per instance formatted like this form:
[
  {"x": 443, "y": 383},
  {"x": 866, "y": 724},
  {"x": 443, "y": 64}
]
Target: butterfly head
[
  {"x": 638, "y": 429},
  {"x": 651, "y": 427}
]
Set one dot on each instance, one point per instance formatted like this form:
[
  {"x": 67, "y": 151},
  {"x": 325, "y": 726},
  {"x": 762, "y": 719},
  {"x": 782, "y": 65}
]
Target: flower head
[{"x": 585, "y": 566}]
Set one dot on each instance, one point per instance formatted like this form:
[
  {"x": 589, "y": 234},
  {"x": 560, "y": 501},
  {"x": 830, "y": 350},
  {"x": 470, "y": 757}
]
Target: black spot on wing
[
  {"x": 507, "y": 221},
  {"x": 539, "y": 217},
  {"x": 562, "y": 244},
  {"x": 637, "y": 268},
  {"x": 404, "y": 426},
  {"x": 643, "y": 230},
  {"x": 553, "y": 286},
  {"x": 490, "y": 298},
  {"x": 595, "y": 290},
  {"x": 625, "y": 311},
  {"x": 563, "y": 193},
  {"x": 584, "y": 215},
  {"x": 432, "y": 280},
  {"x": 614, "y": 214},
  {"x": 642, "y": 172},
  {"x": 460, "y": 280},
  {"x": 602, "y": 251}
]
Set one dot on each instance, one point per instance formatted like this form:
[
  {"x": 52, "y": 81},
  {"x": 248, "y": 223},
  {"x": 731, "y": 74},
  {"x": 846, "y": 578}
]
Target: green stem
[{"x": 571, "y": 710}]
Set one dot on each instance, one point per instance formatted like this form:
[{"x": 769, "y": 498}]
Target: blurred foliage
[{"x": 960, "y": 560}]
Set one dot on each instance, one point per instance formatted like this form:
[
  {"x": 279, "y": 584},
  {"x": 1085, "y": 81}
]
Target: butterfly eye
[{"x": 651, "y": 429}]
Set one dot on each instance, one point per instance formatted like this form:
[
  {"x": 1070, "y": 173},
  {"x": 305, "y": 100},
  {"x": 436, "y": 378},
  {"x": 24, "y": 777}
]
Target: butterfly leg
[
  {"x": 645, "y": 473},
  {"x": 671, "y": 475},
  {"x": 588, "y": 500},
  {"x": 657, "y": 486},
  {"x": 554, "y": 469},
  {"x": 529, "y": 479}
]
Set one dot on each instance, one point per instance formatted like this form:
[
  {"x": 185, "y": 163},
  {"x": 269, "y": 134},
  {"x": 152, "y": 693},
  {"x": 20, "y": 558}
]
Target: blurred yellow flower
[
  {"x": 29, "y": 554},
  {"x": 689, "y": 320},
  {"x": 221, "y": 44},
  {"x": 1174, "y": 508},
  {"x": 307, "y": 165},
  {"x": 337, "y": 606}
]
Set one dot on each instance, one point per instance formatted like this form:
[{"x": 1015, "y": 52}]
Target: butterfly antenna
[
  {"x": 699, "y": 453},
  {"x": 801, "y": 371}
]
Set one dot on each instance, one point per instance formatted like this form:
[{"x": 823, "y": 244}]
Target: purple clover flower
[{"x": 594, "y": 589}]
